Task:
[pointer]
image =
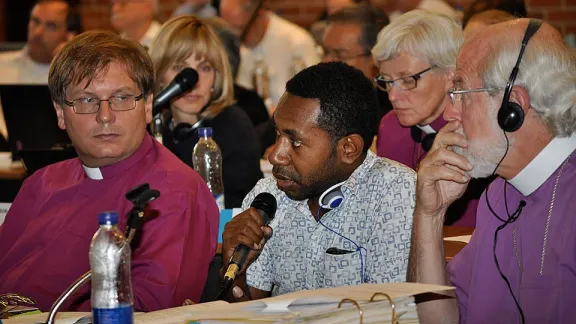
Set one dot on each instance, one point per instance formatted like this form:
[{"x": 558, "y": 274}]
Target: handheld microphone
[
  {"x": 183, "y": 81},
  {"x": 265, "y": 204}
]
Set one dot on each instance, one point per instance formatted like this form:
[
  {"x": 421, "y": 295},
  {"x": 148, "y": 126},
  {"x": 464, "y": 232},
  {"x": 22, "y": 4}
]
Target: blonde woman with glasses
[
  {"x": 416, "y": 57},
  {"x": 184, "y": 42}
]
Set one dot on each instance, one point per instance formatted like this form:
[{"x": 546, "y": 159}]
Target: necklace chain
[{"x": 550, "y": 209}]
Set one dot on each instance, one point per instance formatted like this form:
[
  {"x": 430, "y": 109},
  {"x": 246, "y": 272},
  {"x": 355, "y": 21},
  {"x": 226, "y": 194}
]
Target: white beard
[{"x": 484, "y": 154}]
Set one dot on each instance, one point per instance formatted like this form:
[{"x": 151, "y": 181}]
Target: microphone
[
  {"x": 183, "y": 81},
  {"x": 265, "y": 204}
]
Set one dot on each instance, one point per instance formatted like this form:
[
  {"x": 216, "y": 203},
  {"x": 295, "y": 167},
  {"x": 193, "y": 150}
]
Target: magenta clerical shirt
[
  {"x": 396, "y": 143},
  {"x": 45, "y": 239},
  {"x": 537, "y": 252}
]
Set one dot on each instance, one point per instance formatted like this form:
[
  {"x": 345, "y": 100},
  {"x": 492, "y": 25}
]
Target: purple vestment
[
  {"x": 547, "y": 297},
  {"x": 45, "y": 239},
  {"x": 395, "y": 142}
]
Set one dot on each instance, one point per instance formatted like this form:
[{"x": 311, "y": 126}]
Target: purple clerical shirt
[
  {"x": 547, "y": 297},
  {"x": 46, "y": 236},
  {"x": 395, "y": 142}
]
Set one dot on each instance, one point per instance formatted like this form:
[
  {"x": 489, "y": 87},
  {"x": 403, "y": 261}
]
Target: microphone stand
[{"x": 139, "y": 197}]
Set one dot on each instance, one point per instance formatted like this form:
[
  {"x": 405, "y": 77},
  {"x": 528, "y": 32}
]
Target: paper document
[{"x": 310, "y": 306}]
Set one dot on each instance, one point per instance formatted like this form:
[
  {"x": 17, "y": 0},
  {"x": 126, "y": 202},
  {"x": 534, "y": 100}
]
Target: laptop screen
[{"x": 30, "y": 117}]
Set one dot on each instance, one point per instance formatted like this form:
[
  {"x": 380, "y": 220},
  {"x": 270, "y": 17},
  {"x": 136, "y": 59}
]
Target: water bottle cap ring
[{"x": 205, "y": 131}]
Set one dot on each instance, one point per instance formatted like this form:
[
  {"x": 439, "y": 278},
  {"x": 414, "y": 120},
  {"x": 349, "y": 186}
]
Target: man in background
[
  {"x": 350, "y": 35},
  {"x": 135, "y": 19},
  {"x": 52, "y": 23},
  {"x": 275, "y": 42}
]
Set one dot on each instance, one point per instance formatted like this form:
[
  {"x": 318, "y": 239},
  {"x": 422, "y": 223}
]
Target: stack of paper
[{"x": 308, "y": 306}]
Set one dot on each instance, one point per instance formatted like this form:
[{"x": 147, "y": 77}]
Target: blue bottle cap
[
  {"x": 108, "y": 218},
  {"x": 205, "y": 131}
]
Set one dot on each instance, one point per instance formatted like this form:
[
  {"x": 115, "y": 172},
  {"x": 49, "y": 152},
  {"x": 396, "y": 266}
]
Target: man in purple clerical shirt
[
  {"x": 101, "y": 86},
  {"x": 519, "y": 265}
]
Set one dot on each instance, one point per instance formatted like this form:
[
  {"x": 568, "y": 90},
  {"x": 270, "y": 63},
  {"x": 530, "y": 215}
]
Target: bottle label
[
  {"x": 219, "y": 201},
  {"x": 118, "y": 315}
]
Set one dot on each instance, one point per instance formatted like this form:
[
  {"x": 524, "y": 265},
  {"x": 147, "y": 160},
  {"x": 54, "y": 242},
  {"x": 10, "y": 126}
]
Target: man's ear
[
  {"x": 350, "y": 148},
  {"x": 520, "y": 95},
  {"x": 60, "y": 114},
  {"x": 148, "y": 104}
]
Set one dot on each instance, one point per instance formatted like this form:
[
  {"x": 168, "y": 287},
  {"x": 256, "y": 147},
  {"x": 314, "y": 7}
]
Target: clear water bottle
[
  {"x": 207, "y": 161},
  {"x": 111, "y": 297}
]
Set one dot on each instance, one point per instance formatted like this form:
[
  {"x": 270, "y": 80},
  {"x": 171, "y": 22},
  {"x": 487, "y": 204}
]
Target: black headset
[
  {"x": 510, "y": 114},
  {"x": 184, "y": 131}
]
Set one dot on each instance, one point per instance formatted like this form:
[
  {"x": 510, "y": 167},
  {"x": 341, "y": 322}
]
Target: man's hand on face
[
  {"x": 442, "y": 175},
  {"x": 246, "y": 228}
]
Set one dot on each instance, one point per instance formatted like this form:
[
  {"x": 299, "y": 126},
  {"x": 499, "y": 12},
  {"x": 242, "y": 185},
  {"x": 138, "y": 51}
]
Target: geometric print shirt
[{"x": 370, "y": 231}]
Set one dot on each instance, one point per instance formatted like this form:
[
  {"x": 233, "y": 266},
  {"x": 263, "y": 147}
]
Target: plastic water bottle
[
  {"x": 207, "y": 161},
  {"x": 110, "y": 263}
]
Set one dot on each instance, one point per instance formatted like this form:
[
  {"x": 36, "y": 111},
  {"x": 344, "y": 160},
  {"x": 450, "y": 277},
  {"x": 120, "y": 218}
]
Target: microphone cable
[{"x": 505, "y": 222}]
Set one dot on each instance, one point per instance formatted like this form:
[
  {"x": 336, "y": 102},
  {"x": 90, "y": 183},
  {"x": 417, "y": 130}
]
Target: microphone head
[
  {"x": 187, "y": 78},
  {"x": 266, "y": 203}
]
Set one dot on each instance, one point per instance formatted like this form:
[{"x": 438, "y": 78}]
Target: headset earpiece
[
  {"x": 510, "y": 114},
  {"x": 332, "y": 197},
  {"x": 511, "y": 117}
]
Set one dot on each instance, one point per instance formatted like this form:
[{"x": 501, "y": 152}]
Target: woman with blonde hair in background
[{"x": 184, "y": 42}]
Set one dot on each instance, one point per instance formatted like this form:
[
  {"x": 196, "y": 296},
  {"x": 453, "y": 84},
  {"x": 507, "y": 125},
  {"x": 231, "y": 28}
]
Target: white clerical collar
[
  {"x": 427, "y": 129},
  {"x": 93, "y": 173},
  {"x": 544, "y": 165}
]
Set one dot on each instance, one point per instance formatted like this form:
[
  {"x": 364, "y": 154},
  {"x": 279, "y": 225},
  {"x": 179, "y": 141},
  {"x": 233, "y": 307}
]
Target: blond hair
[
  {"x": 433, "y": 37},
  {"x": 183, "y": 36}
]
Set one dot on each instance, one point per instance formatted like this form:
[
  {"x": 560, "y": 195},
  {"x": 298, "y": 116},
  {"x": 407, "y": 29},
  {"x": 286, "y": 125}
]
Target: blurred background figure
[
  {"x": 187, "y": 41},
  {"x": 135, "y": 19},
  {"x": 273, "y": 47},
  {"x": 52, "y": 23},
  {"x": 247, "y": 99},
  {"x": 317, "y": 28},
  {"x": 198, "y": 8},
  {"x": 484, "y": 19},
  {"x": 350, "y": 35},
  {"x": 398, "y": 7},
  {"x": 516, "y": 8},
  {"x": 416, "y": 55}
]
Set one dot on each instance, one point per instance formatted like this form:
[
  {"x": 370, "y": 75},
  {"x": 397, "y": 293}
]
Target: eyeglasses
[
  {"x": 405, "y": 83},
  {"x": 456, "y": 94},
  {"x": 92, "y": 105}
]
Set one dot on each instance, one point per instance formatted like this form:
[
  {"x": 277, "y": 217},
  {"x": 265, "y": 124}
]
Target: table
[{"x": 450, "y": 248}]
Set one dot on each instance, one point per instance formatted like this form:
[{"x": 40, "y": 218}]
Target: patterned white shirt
[{"x": 376, "y": 214}]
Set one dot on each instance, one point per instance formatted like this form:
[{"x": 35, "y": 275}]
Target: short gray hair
[
  {"x": 431, "y": 36},
  {"x": 547, "y": 72}
]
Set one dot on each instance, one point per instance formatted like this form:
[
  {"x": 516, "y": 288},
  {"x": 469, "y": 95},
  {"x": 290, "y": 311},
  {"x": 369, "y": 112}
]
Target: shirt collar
[
  {"x": 544, "y": 165},
  {"x": 111, "y": 171},
  {"x": 434, "y": 126}
]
